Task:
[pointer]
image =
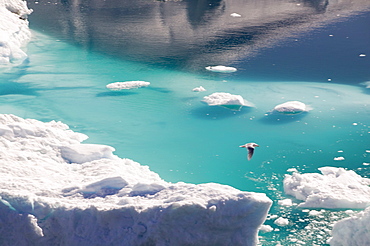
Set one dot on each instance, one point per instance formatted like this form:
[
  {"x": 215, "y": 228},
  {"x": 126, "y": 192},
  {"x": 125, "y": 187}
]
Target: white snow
[
  {"x": 199, "y": 89},
  {"x": 281, "y": 221},
  {"x": 221, "y": 69},
  {"x": 352, "y": 231},
  {"x": 14, "y": 31},
  {"x": 226, "y": 100},
  {"x": 117, "y": 86},
  {"x": 56, "y": 190},
  {"x": 333, "y": 188},
  {"x": 291, "y": 107}
]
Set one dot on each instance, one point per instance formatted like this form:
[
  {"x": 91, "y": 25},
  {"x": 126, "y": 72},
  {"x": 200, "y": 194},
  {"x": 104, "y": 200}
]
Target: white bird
[{"x": 250, "y": 147}]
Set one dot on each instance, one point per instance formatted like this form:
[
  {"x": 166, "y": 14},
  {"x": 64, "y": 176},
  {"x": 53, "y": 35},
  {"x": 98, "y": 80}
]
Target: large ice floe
[
  {"x": 14, "y": 31},
  {"x": 354, "y": 231},
  {"x": 333, "y": 188},
  {"x": 227, "y": 100},
  {"x": 56, "y": 190}
]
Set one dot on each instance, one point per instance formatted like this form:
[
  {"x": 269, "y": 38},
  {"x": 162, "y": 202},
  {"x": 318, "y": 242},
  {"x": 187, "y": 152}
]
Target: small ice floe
[
  {"x": 117, "y": 86},
  {"x": 362, "y": 55},
  {"x": 339, "y": 158},
  {"x": 199, "y": 89},
  {"x": 291, "y": 107},
  {"x": 235, "y": 15},
  {"x": 221, "y": 69},
  {"x": 227, "y": 100},
  {"x": 281, "y": 221},
  {"x": 286, "y": 202},
  {"x": 266, "y": 228}
]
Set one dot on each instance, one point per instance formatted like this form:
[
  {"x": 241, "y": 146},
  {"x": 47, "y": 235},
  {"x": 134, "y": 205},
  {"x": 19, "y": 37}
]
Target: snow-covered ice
[
  {"x": 339, "y": 158},
  {"x": 291, "y": 107},
  {"x": 221, "y": 69},
  {"x": 117, "y": 86},
  {"x": 333, "y": 188},
  {"x": 226, "y": 100},
  {"x": 285, "y": 202},
  {"x": 56, "y": 190},
  {"x": 14, "y": 31},
  {"x": 199, "y": 89},
  {"x": 352, "y": 231}
]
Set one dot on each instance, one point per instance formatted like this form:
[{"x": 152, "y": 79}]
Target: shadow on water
[
  {"x": 13, "y": 88},
  {"x": 159, "y": 89},
  {"x": 115, "y": 93},
  {"x": 217, "y": 112},
  {"x": 276, "y": 118}
]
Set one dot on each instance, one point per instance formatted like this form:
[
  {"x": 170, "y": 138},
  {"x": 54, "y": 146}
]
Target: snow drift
[
  {"x": 333, "y": 188},
  {"x": 56, "y": 190},
  {"x": 14, "y": 31}
]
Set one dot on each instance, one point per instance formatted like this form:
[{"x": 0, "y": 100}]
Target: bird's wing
[{"x": 250, "y": 152}]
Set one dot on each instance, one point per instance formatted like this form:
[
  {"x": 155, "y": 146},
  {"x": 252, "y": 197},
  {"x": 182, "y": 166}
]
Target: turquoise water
[{"x": 167, "y": 127}]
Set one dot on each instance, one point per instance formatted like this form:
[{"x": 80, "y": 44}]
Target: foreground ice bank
[
  {"x": 14, "y": 31},
  {"x": 49, "y": 199}
]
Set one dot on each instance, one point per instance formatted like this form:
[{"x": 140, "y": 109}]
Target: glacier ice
[
  {"x": 221, "y": 69},
  {"x": 56, "y": 190},
  {"x": 291, "y": 107},
  {"x": 228, "y": 100}
]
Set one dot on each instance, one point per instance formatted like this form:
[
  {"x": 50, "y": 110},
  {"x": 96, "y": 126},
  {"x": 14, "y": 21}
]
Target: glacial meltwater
[{"x": 314, "y": 52}]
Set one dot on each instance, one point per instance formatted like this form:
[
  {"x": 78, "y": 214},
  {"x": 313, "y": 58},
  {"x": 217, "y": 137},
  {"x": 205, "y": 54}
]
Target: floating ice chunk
[
  {"x": 352, "y": 231},
  {"x": 291, "y": 170},
  {"x": 117, "y": 86},
  {"x": 286, "y": 202},
  {"x": 199, "y": 89},
  {"x": 333, "y": 188},
  {"x": 235, "y": 15},
  {"x": 291, "y": 107},
  {"x": 81, "y": 153},
  {"x": 314, "y": 213},
  {"x": 221, "y": 69},
  {"x": 235, "y": 102},
  {"x": 266, "y": 228},
  {"x": 362, "y": 55},
  {"x": 339, "y": 158},
  {"x": 281, "y": 221}
]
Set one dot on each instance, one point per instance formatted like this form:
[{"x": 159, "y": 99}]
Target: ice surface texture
[
  {"x": 291, "y": 107},
  {"x": 56, "y": 190},
  {"x": 227, "y": 100},
  {"x": 333, "y": 188},
  {"x": 14, "y": 31},
  {"x": 352, "y": 231}
]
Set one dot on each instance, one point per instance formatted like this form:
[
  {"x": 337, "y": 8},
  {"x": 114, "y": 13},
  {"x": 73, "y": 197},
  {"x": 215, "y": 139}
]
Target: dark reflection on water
[{"x": 192, "y": 34}]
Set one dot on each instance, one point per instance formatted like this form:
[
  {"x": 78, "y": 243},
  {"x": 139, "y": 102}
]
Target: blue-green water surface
[{"x": 280, "y": 57}]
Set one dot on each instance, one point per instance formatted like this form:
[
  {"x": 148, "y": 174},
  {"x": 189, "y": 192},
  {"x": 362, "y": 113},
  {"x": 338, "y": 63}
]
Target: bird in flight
[{"x": 250, "y": 147}]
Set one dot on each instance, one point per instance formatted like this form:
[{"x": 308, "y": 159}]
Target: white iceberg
[
  {"x": 14, "y": 31},
  {"x": 199, "y": 89},
  {"x": 221, "y": 69},
  {"x": 291, "y": 107},
  {"x": 352, "y": 231},
  {"x": 333, "y": 188},
  {"x": 117, "y": 86},
  {"x": 47, "y": 198},
  {"x": 235, "y": 102},
  {"x": 281, "y": 221}
]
